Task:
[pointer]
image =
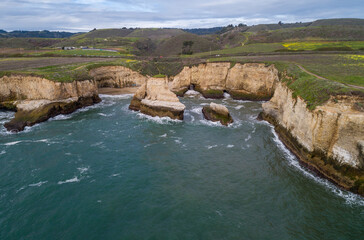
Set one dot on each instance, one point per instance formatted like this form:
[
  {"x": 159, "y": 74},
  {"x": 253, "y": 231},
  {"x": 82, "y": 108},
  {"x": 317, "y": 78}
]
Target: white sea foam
[
  {"x": 192, "y": 92},
  {"x": 83, "y": 169},
  {"x": 121, "y": 96},
  {"x": 242, "y": 101},
  {"x": 204, "y": 104},
  {"x": 22, "y": 188},
  {"x": 159, "y": 120},
  {"x": 197, "y": 110},
  {"x": 115, "y": 175},
  {"x": 105, "y": 115},
  {"x": 164, "y": 135},
  {"x": 226, "y": 95},
  {"x": 72, "y": 180},
  {"x": 248, "y": 138},
  {"x": 189, "y": 115},
  {"x": 37, "y": 184},
  {"x": 350, "y": 198},
  {"x": 2, "y": 152},
  {"x": 61, "y": 117},
  {"x": 210, "y": 123},
  {"x": 12, "y": 143},
  {"x": 96, "y": 144},
  {"x": 239, "y": 107},
  {"x": 211, "y": 146},
  {"x": 230, "y": 146}
]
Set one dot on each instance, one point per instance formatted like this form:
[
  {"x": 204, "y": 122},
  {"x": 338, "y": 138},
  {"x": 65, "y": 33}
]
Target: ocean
[{"x": 105, "y": 172}]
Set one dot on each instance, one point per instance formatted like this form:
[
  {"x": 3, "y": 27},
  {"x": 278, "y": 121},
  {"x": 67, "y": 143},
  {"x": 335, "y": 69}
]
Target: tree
[{"x": 187, "y": 47}]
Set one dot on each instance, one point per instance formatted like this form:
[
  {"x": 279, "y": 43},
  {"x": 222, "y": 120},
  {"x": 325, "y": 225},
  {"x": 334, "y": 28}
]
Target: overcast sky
[{"x": 83, "y": 15}]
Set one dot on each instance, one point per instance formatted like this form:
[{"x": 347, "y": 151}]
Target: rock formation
[
  {"x": 37, "y": 99},
  {"x": 155, "y": 99},
  {"x": 329, "y": 139},
  {"x": 250, "y": 81},
  {"x": 217, "y": 113},
  {"x": 117, "y": 77}
]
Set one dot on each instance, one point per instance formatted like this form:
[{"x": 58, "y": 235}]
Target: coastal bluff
[
  {"x": 249, "y": 81},
  {"x": 37, "y": 99},
  {"x": 328, "y": 139}
]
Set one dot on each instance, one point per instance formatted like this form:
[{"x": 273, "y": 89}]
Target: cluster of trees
[{"x": 187, "y": 47}]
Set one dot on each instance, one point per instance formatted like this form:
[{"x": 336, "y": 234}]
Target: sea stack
[
  {"x": 155, "y": 99},
  {"x": 217, "y": 113}
]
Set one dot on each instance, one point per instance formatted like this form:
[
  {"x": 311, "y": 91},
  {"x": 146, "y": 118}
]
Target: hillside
[
  {"x": 347, "y": 33},
  {"x": 186, "y": 43},
  {"x": 338, "y": 22}
]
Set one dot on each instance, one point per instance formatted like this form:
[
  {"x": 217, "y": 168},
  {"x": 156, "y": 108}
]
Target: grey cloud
[{"x": 81, "y": 15}]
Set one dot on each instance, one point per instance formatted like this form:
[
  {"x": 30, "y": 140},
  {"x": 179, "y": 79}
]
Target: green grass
[
  {"x": 314, "y": 91},
  {"x": 347, "y": 69},
  {"x": 63, "y": 73},
  {"x": 249, "y": 48},
  {"x": 159, "y": 76},
  {"x": 317, "y": 45}
]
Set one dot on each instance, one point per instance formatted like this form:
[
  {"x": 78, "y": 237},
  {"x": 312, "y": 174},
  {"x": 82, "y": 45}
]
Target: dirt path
[{"x": 319, "y": 77}]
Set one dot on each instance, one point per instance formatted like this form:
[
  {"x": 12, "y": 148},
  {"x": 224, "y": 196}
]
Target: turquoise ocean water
[{"x": 105, "y": 172}]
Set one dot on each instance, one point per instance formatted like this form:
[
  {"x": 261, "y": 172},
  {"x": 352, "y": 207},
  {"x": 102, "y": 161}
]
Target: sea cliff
[
  {"x": 37, "y": 99},
  {"x": 250, "y": 81},
  {"x": 328, "y": 139}
]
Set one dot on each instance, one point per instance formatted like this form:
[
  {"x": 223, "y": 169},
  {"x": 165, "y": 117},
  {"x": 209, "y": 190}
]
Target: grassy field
[
  {"x": 286, "y": 47},
  {"x": 56, "y": 69},
  {"x": 317, "y": 45},
  {"x": 249, "y": 48},
  {"x": 343, "y": 68},
  {"x": 314, "y": 91}
]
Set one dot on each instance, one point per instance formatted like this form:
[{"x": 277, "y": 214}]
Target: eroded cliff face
[
  {"x": 117, "y": 77},
  {"x": 328, "y": 138},
  {"x": 253, "y": 81},
  {"x": 155, "y": 99},
  {"x": 35, "y": 88},
  {"x": 37, "y": 99}
]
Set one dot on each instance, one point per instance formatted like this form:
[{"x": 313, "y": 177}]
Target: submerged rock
[
  {"x": 217, "y": 113},
  {"x": 155, "y": 99}
]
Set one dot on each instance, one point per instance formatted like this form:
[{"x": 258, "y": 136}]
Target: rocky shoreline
[
  {"x": 37, "y": 99},
  {"x": 328, "y": 140}
]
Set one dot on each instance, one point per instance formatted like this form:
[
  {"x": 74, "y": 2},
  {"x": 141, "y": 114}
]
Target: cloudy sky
[{"x": 83, "y": 15}]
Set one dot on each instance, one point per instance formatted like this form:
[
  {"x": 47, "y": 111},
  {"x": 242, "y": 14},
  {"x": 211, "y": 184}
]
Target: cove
[{"x": 105, "y": 172}]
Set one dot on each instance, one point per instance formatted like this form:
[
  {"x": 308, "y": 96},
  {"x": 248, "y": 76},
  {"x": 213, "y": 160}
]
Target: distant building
[{"x": 68, "y": 48}]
